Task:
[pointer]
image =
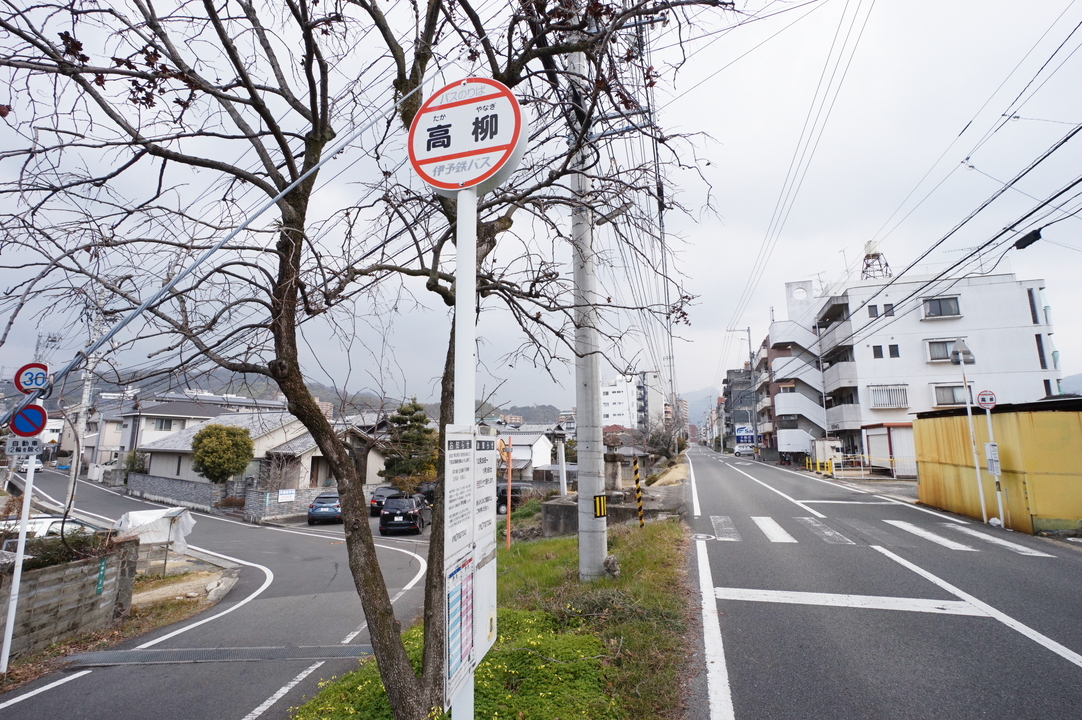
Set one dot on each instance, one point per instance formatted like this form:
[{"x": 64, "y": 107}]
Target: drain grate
[{"x": 203, "y": 655}]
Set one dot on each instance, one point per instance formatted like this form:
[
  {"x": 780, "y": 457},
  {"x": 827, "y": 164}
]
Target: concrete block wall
[
  {"x": 203, "y": 496},
  {"x": 62, "y": 601},
  {"x": 263, "y": 505}
]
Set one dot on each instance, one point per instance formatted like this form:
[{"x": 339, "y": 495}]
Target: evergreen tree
[
  {"x": 220, "y": 452},
  {"x": 413, "y": 443}
]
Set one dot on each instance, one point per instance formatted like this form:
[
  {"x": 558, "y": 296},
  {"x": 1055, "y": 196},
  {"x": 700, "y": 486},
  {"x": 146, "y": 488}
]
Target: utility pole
[
  {"x": 593, "y": 531},
  {"x": 79, "y": 431}
]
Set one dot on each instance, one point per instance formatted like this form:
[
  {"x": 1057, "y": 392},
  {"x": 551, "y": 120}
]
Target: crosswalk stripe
[
  {"x": 930, "y": 536},
  {"x": 880, "y": 536},
  {"x": 824, "y": 531},
  {"x": 1013, "y": 547},
  {"x": 773, "y": 531},
  {"x": 724, "y": 528}
]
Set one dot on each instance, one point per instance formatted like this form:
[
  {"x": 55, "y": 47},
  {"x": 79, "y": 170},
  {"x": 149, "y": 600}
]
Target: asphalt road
[
  {"x": 827, "y": 601},
  {"x": 294, "y": 590}
]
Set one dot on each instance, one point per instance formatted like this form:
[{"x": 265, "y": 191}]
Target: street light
[{"x": 962, "y": 356}]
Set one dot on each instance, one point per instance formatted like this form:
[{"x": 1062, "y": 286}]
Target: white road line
[
  {"x": 1013, "y": 547},
  {"x": 824, "y": 531},
  {"x": 719, "y": 694},
  {"x": 281, "y": 692},
  {"x": 825, "y": 481},
  {"x": 925, "y": 510},
  {"x": 846, "y": 502},
  {"x": 930, "y": 536},
  {"x": 882, "y": 536},
  {"x": 694, "y": 491},
  {"x": 779, "y": 492},
  {"x": 1064, "y": 652},
  {"x": 42, "y": 689},
  {"x": 866, "y": 602},
  {"x": 724, "y": 529},
  {"x": 774, "y": 532}
]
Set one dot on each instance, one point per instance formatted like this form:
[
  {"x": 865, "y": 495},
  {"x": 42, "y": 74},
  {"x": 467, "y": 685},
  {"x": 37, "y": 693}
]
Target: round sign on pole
[
  {"x": 986, "y": 399},
  {"x": 32, "y": 376},
  {"x": 29, "y": 421},
  {"x": 465, "y": 134}
]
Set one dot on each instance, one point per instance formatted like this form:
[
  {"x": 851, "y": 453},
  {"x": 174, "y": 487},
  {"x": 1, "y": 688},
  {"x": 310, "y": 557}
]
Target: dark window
[
  {"x": 1040, "y": 352},
  {"x": 873, "y": 311},
  {"x": 894, "y": 351},
  {"x": 178, "y": 465},
  {"x": 953, "y": 395},
  {"x": 941, "y": 307},
  {"x": 1047, "y": 388},
  {"x": 888, "y": 309},
  {"x": 877, "y": 351},
  {"x": 940, "y": 350},
  {"x": 1033, "y": 306}
]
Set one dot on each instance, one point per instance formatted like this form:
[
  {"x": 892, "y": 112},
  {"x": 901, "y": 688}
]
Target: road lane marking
[
  {"x": 719, "y": 694},
  {"x": 773, "y": 531},
  {"x": 1046, "y": 642},
  {"x": 941, "y": 516},
  {"x": 694, "y": 491},
  {"x": 43, "y": 688},
  {"x": 799, "y": 504},
  {"x": 825, "y": 481},
  {"x": 1013, "y": 547},
  {"x": 930, "y": 536},
  {"x": 846, "y": 502},
  {"x": 824, "y": 531},
  {"x": 865, "y": 602},
  {"x": 724, "y": 529},
  {"x": 281, "y": 692},
  {"x": 881, "y": 536}
]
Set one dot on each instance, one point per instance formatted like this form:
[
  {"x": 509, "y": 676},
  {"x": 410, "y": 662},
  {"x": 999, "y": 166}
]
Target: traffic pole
[
  {"x": 17, "y": 575},
  {"x": 999, "y": 488}
]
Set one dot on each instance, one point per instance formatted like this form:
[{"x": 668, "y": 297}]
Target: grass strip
[{"x": 612, "y": 649}]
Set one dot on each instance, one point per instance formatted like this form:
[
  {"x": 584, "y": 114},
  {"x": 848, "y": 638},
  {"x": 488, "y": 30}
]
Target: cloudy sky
[{"x": 819, "y": 126}]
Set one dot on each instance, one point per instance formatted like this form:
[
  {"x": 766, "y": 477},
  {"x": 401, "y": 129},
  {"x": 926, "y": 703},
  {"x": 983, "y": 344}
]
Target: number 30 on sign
[{"x": 31, "y": 377}]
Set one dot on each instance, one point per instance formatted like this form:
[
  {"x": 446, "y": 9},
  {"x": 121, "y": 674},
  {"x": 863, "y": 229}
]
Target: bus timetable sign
[{"x": 465, "y": 134}]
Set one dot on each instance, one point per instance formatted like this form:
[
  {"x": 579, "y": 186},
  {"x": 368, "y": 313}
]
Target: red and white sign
[
  {"x": 986, "y": 399},
  {"x": 465, "y": 133},
  {"x": 31, "y": 377}
]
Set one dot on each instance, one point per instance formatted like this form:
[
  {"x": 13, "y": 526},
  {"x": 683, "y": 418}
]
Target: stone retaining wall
[
  {"x": 203, "y": 496},
  {"x": 262, "y": 505},
  {"x": 58, "y": 602}
]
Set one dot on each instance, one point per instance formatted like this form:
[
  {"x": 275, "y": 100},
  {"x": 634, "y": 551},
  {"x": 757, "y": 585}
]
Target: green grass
[{"x": 612, "y": 649}]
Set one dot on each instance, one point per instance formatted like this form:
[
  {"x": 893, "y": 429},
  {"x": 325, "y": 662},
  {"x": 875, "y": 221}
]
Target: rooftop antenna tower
[{"x": 875, "y": 263}]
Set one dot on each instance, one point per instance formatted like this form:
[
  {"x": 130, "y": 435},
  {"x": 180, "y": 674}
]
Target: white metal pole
[
  {"x": 999, "y": 488},
  {"x": 17, "y": 575},
  {"x": 465, "y": 357},
  {"x": 973, "y": 443},
  {"x": 465, "y": 308},
  {"x": 561, "y": 458}
]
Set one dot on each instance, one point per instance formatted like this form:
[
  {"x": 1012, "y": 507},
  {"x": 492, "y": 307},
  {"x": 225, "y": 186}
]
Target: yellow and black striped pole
[{"x": 638, "y": 492}]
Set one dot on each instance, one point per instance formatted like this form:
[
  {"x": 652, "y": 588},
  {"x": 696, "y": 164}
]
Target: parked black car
[
  {"x": 380, "y": 496},
  {"x": 520, "y": 492},
  {"x": 428, "y": 489},
  {"x": 326, "y": 507},
  {"x": 404, "y": 513}
]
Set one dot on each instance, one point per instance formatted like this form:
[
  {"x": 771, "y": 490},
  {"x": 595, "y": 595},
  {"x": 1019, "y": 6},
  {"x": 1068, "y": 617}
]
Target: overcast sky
[{"x": 907, "y": 91}]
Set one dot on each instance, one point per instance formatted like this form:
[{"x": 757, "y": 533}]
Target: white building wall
[{"x": 618, "y": 402}]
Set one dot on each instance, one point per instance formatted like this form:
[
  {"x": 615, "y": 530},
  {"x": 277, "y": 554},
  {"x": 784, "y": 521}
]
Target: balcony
[
  {"x": 797, "y": 404},
  {"x": 839, "y": 375},
  {"x": 837, "y": 334},
  {"x": 844, "y": 417},
  {"x": 763, "y": 404},
  {"x": 791, "y": 368},
  {"x": 786, "y": 332},
  {"x": 762, "y": 379}
]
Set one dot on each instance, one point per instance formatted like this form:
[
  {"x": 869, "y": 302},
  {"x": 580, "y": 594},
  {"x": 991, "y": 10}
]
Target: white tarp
[{"x": 169, "y": 525}]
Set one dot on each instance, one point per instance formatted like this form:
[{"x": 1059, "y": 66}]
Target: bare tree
[{"x": 137, "y": 135}]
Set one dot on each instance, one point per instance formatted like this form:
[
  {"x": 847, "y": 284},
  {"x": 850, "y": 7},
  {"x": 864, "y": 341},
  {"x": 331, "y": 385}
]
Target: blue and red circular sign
[
  {"x": 31, "y": 377},
  {"x": 29, "y": 421}
]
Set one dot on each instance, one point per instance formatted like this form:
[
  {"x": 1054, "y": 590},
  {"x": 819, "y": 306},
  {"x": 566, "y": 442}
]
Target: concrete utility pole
[
  {"x": 79, "y": 431},
  {"x": 593, "y": 531}
]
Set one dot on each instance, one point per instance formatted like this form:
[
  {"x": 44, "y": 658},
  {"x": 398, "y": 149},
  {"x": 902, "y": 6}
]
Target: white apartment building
[
  {"x": 884, "y": 352},
  {"x": 634, "y": 401}
]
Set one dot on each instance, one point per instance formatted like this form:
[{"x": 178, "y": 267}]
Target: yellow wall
[{"x": 1040, "y": 454}]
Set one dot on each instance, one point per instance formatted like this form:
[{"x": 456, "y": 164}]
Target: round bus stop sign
[
  {"x": 465, "y": 134},
  {"x": 986, "y": 399}
]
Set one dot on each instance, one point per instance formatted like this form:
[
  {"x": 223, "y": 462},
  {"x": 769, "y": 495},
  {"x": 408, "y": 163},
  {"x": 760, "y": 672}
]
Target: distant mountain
[
  {"x": 699, "y": 403},
  {"x": 1072, "y": 384}
]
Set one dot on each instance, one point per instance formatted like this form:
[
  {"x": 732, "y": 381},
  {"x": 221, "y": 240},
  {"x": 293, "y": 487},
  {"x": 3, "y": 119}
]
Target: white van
[{"x": 743, "y": 450}]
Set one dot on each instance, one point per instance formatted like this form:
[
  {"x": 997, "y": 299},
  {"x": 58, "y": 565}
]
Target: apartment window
[
  {"x": 892, "y": 350},
  {"x": 877, "y": 351},
  {"x": 1040, "y": 352},
  {"x": 787, "y": 389},
  {"x": 605, "y": 392},
  {"x": 888, "y": 309},
  {"x": 940, "y": 349},
  {"x": 950, "y": 395},
  {"x": 1033, "y": 306},
  {"x": 1047, "y": 388},
  {"x": 873, "y": 311},
  {"x": 178, "y": 465},
  {"x": 163, "y": 424},
  {"x": 890, "y": 396},
  {"x": 941, "y": 307}
]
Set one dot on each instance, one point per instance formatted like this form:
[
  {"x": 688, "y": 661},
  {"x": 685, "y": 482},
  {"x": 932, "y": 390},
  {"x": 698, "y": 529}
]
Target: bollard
[{"x": 638, "y": 491}]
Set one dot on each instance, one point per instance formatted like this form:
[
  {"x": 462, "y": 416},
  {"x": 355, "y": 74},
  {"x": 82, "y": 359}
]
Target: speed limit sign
[{"x": 31, "y": 377}]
